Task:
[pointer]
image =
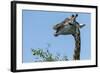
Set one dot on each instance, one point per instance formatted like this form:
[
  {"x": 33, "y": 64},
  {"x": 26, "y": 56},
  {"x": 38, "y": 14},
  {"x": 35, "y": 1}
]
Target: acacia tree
[{"x": 47, "y": 56}]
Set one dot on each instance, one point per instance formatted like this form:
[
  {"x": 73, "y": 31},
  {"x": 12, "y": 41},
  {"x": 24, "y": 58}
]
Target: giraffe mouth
[{"x": 56, "y": 33}]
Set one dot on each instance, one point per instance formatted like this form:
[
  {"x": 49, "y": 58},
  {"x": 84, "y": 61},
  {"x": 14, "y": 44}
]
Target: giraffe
[{"x": 70, "y": 27}]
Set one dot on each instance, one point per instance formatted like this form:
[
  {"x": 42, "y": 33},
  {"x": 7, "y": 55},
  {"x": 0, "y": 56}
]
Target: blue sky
[{"x": 38, "y": 32}]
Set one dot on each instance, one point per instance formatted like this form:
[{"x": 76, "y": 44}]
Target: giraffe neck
[{"x": 76, "y": 55}]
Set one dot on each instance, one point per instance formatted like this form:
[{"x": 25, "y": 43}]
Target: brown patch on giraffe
[{"x": 76, "y": 55}]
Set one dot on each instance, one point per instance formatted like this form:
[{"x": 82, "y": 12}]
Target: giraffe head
[{"x": 68, "y": 26}]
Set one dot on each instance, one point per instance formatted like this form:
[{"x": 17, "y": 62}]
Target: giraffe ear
[{"x": 82, "y": 25}]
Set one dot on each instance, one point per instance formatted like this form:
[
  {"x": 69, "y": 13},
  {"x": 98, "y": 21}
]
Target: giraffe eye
[{"x": 70, "y": 24}]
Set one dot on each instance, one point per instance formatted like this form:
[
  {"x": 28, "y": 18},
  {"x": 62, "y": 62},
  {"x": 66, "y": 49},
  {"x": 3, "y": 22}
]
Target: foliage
[{"x": 47, "y": 56}]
